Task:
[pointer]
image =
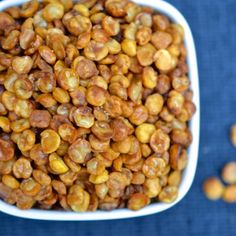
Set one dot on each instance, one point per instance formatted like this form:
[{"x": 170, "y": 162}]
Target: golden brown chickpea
[
  {"x": 161, "y": 40},
  {"x": 85, "y": 68},
  {"x": 102, "y": 130},
  {"x": 175, "y": 102},
  {"x": 30, "y": 187},
  {"x": 178, "y": 157},
  {"x": 11, "y": 40},
  {"x": 99, "y": 179},
  {"x": 10, "y": 181},
  {"x": 57, "y": 164},
  {"x": 180, "y": 84},
  {"x": 229, "y": 194},
  {"x": 152, "y": 187},
  {"x": 146, "y": 150},
  {"x": 83, "y": 117},
  {"x": 53, "y": 11},
  {"x": 59, "y": 187},
  {"x": 22, "y": 168},
  {"x": 159, "y": 141},
  {"x": 46, "y": 100},
  {"x": 113, "y": 106},
  {"x": 116, "y": 7},
  {"x": 98, "y": 145},
  {"x": 68, "y": 80},
  {"x": 110, "y": 25},
  {"x": 95, "y": 166},
  {"x": 113, "y": 46},
  {"x": 213, "y": 188},
  {"x": 23, "y": 88},
  {"x": 96, "y": 51},
  {"x": 5, "y": 124},
  {"x": 153, "y": 167},
  {"x": 129, "y": 47},
  {"x": 143, "y": 35},
  {"x": 168, "y": 194},
  {"x": 28, "y": 9},
  {"x": 174, "y": 178},
  {"x": 8, "y": 100},
  {"x": 101, "y": 190},
  {"x": 120, "y": 129},
  {"x": 229, "y": 173},
  {"x": 22, "y": 65},
  {"x": 26, "y": 140},
  {"x": 78, "y": 199},
  {"x": 79, "y": 150},
  {"x": 139, "y": 116},
  {"x": 138, "y": 201},
  {"x": 144, "y": 132},
  {"x": 145, "y": 54},
  {"x": 50, "y": 141},
  {"x": 40, "y": 118},
  {"x": 149, "y": 77},
  {"x": 38, "y": 156},
  {"x": 164, "y": 61},
  {"x": 41, "y": 177},
  {"x": 182, "y": 137},
  {"x": 96, "y": 96},
  {"x": 45, "y": 81},
  {"x": 154, "y": 104}
]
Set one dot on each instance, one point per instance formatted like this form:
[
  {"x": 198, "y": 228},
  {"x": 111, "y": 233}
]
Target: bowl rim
[{"x": 189, "y": 173}]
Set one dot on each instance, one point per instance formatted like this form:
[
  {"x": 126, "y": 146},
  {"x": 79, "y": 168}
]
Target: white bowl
[{"x": 189, "y": 172}]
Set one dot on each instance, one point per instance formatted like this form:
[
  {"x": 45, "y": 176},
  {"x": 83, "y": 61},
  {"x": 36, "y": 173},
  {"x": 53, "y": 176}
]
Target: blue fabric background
[{"x": 213, "y": 26}]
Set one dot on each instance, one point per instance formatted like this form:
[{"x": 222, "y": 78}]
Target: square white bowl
[{"x": 189, "y": 173}]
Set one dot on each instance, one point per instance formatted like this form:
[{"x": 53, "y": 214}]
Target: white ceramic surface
[{"x": 190, "y": 170}]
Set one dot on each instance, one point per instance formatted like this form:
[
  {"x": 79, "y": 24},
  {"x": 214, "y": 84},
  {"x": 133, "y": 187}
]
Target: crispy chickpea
[
  {"x": 57, "y": 164},
  {"x": 38, "y": 156},
  {"x": 144, "y": 132},
  {"x": 143, "y": 35},
  {"x": 213, "y": 188},
  {"x": 47, "y": 54},
  {"x": 53, "y": 11},
  {"x": 46, "y": 100},
  {"x": 30, "y": 187},
  {"x": 61, "y": 95},
  {"x": 59, "y": 187},
  {"x": 97, "y": 144},
  {"x": 22, "y": 65},
  {"x": 5, "y": 124},
  {"x": 10, "y": 181},
  {"x": 67, "y": 132},
  {"x": 146, "y": 150},
  {"x": 113, "y": 106},
  {"x": 78, "y": 199},
  {"x": 159, "y": 141},
  {"x": 22, "y": 168},
  {"x": 50, "y": 141},
  {"x": 145, "y": 54},
  {"x": 101, "y": 190},
  {"x": 96, "y": 96},
  {"x": 28, "y": 9},
  {"x": 180, "y": 84},
  {"x": 178, "y": 157},
  {"x": 153, "y": 167},
  {"x": 233, "y": 135},
  {"x": 99, "y": 179},
  {"x": 182, "y": 137},
  {"x": 168, "y": 194},
  {"x": 123, "y": 146},
  {"x": 40, "y": 118},
  {"x": 138, "y": 178},
  {"x": 79, "y": 150},
  {"x": 23, "y": 88},
  {"x": 102, "y": 130},
  {"x": 96, "y": 51},
  {"x": 174, "y": 178},
  {"x": 149, "y": 77},
  {"x": 41, "y": 177},
  {"x": 229, "y": 194},
  {"x": 110, "y": 25},
  {"x": 229, "y": 173},
  {"x": 161, "y": 40},
  {"x": 68, "y": 80},
  {"x": 154, "y": 103},
  {"x": 175, "y": 102},
  {"x": 139, "y": 116},
  {"x": 83, "y": 117},
  {"x": 152, "y": 187},
  {"x": 11, "y": 40},
  {"x": 120, "y": 130},
  {"x": 95, "y": 166},
  {"x": 164, "y": 61},
  {"x": 113, "y": 46},
  {"x": 129, "y": 47},
  {"x": 26, "y": 140},
  {"x": 138, "y": 201}
]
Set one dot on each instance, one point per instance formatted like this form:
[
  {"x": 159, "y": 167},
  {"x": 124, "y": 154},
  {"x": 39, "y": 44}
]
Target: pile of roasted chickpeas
[
  {"x": 213, "y": 187},
  {"x": 95, "y": 102}
]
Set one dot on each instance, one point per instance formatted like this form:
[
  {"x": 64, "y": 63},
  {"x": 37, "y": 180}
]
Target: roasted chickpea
[
  {"x": 139, "y": 116},
  {"x": 50, "y": 141},
  {"x": 38, "y": 156},
  {"x": 102, "y": 130},
  {"x": 213, "y": 188},
  {"x": 98, "y": 145},
  {"x": 144, "y": 132},
  {"x": 79, "y": 150},
  {"x": 40, "y": 118},
  {"x": 138, "y": 201},
  {"x": 53, "y": 11},
  {"x": 168, "y": 194},
  {"x": 67, "y": 132},
  {"x": 26, "y": 140},
  {"x": 99, "y": 179},
  {"x": 96, "y": 96},
  {"x": 159, "y": 141},
  {"x": 175, "y": 102},
  {"x": 41, "y": 177},
  {"x": 10, "y": 181},
  {"x": 83, "y": 117},
  {"x": 57, "y": 164},
  {"x": 178, "y": 157},
  {"x": 149, "y": 77},
  {"x": 145, "y": 54},
  {"x": 22, "y": 168},
  {"x": 229, "y": 194},
  {"x": 229, "y": 173},
  {"x": 233, "y": 135},
  {"x": 152, "y": 187},
  {"x": 95, "y": 166},
  {"x": 22, "y": 65}
]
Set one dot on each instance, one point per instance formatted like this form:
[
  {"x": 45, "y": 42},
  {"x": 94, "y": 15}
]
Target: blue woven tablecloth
[{"x": 213, "y": 26}]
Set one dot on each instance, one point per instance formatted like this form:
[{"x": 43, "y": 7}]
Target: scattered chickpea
[
  {"x": 213, "y": 188},
  {"x": 228, "y": 173}
]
